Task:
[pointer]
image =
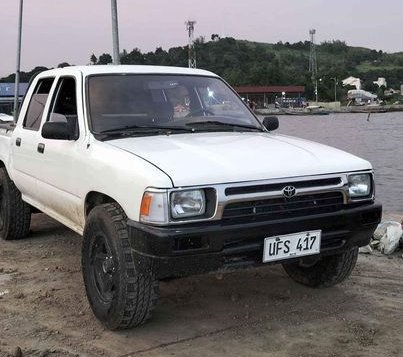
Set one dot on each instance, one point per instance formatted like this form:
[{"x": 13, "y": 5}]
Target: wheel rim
[
  {"x": 103, "y": 269},
  {"x": 2, "y": 207}
]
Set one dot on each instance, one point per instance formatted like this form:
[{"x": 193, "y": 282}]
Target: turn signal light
[
  {"x": 154, "y": 207},
  {"x": 146, "y": 204}
]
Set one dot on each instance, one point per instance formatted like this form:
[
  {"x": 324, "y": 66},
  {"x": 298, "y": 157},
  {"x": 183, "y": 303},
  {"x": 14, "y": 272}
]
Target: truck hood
[{"x": 213, "y": 158}]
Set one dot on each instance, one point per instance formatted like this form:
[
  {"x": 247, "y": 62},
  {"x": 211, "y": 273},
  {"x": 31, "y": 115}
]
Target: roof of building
[
  {"x": 7, "y": 89},
  {"x": 269, "y": 89}
]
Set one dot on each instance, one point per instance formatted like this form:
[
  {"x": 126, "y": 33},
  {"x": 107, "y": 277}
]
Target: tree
[
  {"x": 93, "y": 59},
  {"x": 133, "y": 57},
  {"x": 215, "y": 37},
  {"x": 63, "y": 64},
  {"x": 105, "y": 58}
]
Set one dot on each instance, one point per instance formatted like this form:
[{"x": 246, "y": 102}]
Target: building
[
  {"x": 7, "y": 96},
  {"x": 263, "y": 96}
]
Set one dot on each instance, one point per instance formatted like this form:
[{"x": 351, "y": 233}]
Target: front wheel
[
  {"x": 328, "y": 271},
  {"x": 119, "y": 295}
]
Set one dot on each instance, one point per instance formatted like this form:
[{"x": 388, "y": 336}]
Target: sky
[{"x": 56, "y": 31}]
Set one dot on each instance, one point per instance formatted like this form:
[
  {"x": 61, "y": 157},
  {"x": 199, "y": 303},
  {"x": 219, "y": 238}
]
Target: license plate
[{"x": 291, "y": 246}]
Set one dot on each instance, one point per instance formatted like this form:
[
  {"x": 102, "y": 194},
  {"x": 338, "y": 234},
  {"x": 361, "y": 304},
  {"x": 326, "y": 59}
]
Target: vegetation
[{"x": 252, "y": 63}]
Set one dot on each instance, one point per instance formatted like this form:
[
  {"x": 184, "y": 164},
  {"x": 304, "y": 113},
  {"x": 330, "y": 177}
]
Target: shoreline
[{"x": 324, "y": 111}]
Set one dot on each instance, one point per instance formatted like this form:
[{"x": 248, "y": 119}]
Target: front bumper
[{"x": 184, "y": 250}]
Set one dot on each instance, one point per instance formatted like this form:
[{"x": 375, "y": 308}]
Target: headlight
[
  {"x": 359, "y": 185},
  {"x": 188, "y": 203}
]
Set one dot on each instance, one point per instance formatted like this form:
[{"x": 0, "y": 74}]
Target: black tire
[
  {"x": 119, "y": 295},
  {"x": 328, "y": 271},
  {"x": 15, "y": 214}
]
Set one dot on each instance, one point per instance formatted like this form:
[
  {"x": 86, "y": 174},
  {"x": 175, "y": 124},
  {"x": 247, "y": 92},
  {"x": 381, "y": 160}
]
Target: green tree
[
  {"x": 105, "y": 58},
  {"x": 63, "y": 64},
  {"x": 93, "y": 59}
]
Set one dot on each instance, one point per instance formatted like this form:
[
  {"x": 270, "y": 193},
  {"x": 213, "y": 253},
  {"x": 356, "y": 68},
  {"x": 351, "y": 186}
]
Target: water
[{"x": 379, "y": 140}]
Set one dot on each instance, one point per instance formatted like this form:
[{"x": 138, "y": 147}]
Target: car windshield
[{"x": 134, "y": 102}]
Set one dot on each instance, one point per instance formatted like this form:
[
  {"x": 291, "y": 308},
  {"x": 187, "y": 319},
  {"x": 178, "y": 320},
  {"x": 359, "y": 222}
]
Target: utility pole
[
  {"x": 18, "y": 66},
  {"x": 190, "y": 26},
  {"x": 335, "y": 87},
  {"x": 313, "y": 67},
  {"x": 115, "y": 32}
]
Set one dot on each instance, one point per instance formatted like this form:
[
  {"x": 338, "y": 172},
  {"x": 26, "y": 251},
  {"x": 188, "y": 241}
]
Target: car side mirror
[
  {"x": 271, "y": 123},
  {"x": 58, "y": 131}
]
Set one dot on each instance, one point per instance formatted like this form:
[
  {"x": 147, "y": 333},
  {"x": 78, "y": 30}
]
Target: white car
[{"x": 166, "y": 172}]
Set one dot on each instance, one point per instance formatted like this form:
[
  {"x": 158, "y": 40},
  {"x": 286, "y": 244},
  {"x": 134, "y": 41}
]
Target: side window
[
  {"x": 36, "y": 106},
  {"x": 64, "y": 104}
]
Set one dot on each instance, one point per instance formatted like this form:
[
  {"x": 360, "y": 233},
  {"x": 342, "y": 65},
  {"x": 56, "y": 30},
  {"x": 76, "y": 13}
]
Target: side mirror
[
  {"x": 271, "y": 123},
  {"x": 57, "y": 131}
]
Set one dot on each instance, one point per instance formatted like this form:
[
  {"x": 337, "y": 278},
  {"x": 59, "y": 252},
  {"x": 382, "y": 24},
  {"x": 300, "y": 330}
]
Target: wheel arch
[{"x": 95, "y": 198}]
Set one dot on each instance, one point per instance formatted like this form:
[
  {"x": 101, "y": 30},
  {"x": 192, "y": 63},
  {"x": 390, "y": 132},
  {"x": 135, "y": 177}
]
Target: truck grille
[
  {"x": 282, "y": 208},
  {"x": 333, "y": 181}
]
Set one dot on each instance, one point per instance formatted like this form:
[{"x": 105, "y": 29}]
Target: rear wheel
[
  {"x": 328, "y": 271},
  {"x": 15, "y": 214},
  {"x": 119, "y": 295}
]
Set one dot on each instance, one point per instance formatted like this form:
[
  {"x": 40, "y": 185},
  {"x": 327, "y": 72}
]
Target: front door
[{"x": 58, "y": 178}]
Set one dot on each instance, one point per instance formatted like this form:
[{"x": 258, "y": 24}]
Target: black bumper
[{"x": 176, "y": 251}]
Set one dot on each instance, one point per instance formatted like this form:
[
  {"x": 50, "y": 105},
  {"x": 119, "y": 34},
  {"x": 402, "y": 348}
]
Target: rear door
[{"x": 24, "y": 159}]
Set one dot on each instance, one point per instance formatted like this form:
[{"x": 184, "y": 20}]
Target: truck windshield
[{"x": 129, "y": 102}]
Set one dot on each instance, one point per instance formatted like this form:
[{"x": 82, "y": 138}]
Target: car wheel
[
  {"x": 328, "y": 271},
  {"x": 119, "y": 295}
]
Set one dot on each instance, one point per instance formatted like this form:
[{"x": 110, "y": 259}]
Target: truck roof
[{"x": 135, "y": 69}]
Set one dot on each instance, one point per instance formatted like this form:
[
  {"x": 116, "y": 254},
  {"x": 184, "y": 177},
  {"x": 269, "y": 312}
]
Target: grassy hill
[{"x": 243, "y": 62}]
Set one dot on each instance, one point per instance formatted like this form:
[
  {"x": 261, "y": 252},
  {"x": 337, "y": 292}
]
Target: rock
[
  {"x": 392, "y": 233},
  {"x": 17, "y": 352},
  {"x": 44, "y": 353},
  {"x": 4, "y": 292},
  {"x": 19, "y": 295},
  {"x": 374, "y": 244},
  {"x": 365, "y": 250}
]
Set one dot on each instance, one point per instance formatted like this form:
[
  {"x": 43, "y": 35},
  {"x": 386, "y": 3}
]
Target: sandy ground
[{"x": 258, "y": 312}]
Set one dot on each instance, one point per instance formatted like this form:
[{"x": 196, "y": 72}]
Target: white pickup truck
[{"x": 165, "y": 172}]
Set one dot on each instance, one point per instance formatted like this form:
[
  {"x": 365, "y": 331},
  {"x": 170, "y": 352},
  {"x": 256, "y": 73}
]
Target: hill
[{"x": 243, "y": 62}]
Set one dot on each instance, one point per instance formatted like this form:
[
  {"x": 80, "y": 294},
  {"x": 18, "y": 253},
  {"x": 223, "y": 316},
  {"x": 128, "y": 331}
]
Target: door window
[
  {"x": 64, "y": 104},
  {"x": 37, "y": 104}
]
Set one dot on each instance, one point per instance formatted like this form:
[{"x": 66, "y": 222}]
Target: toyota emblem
[{"x": 289, "y": 191}]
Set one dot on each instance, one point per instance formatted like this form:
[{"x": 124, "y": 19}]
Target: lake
[{"x": 379, "y": 140}]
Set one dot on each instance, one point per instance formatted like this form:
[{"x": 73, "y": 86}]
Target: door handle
[
  {"x": 18, "y": 142},
  {"x": 41, "y": 148}
]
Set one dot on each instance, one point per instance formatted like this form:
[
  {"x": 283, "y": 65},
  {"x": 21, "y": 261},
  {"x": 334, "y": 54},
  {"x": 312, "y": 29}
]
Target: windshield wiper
[
  {"x": 175, "y": 128},
  {"x": 139, "y": 130},
  {"x": 143, "y": 129},
  {"x": 224, "y": 124}
]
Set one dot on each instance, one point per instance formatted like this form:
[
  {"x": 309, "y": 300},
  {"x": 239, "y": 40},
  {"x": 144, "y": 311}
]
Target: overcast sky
[{"x": 56, "y": 31}]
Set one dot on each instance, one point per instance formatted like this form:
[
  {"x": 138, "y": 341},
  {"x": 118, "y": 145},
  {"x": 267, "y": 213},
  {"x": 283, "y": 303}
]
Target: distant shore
[{"x": 324, "y": 111}]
